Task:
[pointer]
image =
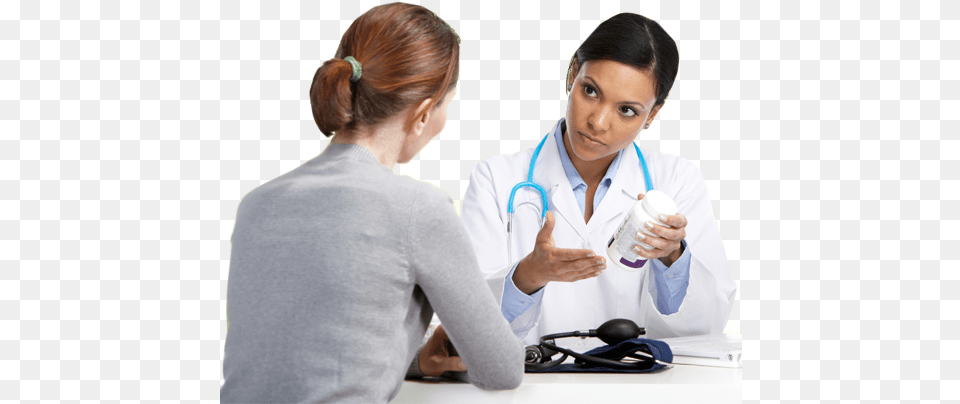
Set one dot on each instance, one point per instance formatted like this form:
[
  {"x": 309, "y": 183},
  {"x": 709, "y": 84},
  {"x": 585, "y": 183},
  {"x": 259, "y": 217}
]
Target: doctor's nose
[{"x": 598, "y": 119}]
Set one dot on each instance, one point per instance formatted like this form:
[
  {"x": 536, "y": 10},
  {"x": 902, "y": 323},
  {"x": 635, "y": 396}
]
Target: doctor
[{"x": 557, "y": 278}]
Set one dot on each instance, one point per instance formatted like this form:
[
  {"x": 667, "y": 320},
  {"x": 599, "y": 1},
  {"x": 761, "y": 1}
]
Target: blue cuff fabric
[
  {"x": 672, "y": 282},
  {"x": 515, "y": 302}
]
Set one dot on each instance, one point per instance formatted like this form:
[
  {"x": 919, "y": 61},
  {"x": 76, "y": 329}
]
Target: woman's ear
[{"x": 422, "y": 115}]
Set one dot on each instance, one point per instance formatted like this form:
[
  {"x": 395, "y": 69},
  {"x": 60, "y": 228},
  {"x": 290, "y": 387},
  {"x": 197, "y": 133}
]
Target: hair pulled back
[
  {"x": 634, "y": 40},
  {"x": 408, "y": 54}
]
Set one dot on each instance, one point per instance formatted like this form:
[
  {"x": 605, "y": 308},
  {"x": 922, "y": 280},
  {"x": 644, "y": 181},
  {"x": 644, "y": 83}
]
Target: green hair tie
[{"x": 357, "y": 68}]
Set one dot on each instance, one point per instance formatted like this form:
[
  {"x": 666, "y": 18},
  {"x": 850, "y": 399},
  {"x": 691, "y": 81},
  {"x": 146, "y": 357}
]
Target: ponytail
[
  {"x": 408, "y": 54},
  {"x": 331, "y": 98}
]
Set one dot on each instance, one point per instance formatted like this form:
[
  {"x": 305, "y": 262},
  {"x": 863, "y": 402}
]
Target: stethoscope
[{"x": 543, "y": 193}]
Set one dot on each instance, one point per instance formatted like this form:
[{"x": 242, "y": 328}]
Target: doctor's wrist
[
  {"x": 673, "y": 256},
  {"x": 524, "y": 281}
]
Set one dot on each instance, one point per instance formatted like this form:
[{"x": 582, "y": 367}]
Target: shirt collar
[{"x": 572, "y": 175}]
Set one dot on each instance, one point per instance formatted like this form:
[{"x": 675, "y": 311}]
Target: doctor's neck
[
  {"x": 591, "y": 172},
  {"x": 385, "y": 140}
]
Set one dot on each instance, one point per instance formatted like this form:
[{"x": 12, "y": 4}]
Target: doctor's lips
[{"x": 591, "y": 138}]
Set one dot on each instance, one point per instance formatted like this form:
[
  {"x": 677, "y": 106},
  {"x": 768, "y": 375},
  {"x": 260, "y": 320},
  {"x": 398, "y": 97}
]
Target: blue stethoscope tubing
[{"x": 543, "y": 193}]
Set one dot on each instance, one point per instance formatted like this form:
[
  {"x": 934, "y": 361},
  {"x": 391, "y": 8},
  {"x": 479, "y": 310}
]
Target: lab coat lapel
[
  {"x": 563, "y": 204},
  {"x": 626, "y": 185}
]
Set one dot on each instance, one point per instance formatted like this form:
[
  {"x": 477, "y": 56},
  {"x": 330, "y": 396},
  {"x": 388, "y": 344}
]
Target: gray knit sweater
[{"x": 335, "y": 271}]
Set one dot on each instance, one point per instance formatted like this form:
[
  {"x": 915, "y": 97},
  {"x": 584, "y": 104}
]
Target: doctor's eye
[
  {"x": 589, "y": 90},
  {"x": 627, "y": 111}
]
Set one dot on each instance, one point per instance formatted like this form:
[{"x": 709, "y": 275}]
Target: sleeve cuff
[
  {"x": 515, "y": 302},
  {"x": 672, "y": 282}
]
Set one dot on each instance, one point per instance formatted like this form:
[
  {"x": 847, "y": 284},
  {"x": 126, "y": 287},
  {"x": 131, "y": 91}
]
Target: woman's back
[
  {"x": 320, "y": 290},
  {"x": 324, "y": 301}
]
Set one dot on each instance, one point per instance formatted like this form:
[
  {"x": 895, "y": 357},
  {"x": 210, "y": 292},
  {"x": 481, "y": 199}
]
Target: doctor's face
[{"x": 607, "y": 107}]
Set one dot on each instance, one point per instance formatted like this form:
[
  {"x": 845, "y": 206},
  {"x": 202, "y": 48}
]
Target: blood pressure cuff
[{"x": 659, "y": 349}]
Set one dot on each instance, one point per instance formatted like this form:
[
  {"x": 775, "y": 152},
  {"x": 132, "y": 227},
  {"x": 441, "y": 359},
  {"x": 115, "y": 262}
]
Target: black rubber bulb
[{"x": 618, "y": 330}]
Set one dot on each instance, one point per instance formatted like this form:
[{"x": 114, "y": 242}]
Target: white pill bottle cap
[{"x": 656, "y": 203}]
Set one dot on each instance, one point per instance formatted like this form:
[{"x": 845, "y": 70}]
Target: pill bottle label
[{"x": 623, "y": 241}]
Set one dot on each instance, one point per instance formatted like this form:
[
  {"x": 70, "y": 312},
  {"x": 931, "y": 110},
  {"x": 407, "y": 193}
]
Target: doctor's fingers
[
  {"x": 659, "y": 242},
  {"x": 675, "y": 221},
  {"x": 579, "y": 274},
  {"x": 581, "y": 265},
  {"x": 666, "y": 233},
  {"x": 659, "y": 250},
  {"x": 586, "y": 275},
  {"x": 571, "y": 254}
]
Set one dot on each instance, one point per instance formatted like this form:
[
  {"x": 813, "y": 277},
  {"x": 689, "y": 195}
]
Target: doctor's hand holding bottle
[{"x": 667, "y": 245}]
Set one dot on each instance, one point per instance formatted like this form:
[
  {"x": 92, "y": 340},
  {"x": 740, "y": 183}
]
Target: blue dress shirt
[{"x": 671, "y": 282}]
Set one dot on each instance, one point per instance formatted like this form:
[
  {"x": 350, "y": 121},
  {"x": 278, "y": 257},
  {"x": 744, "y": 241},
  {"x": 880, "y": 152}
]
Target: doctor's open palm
[{"x": 548, "y": 263}]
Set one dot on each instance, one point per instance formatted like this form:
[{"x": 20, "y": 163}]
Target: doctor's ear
[
  {"x": 653, "y": 114},
  {"x": 421, "y": 116}
]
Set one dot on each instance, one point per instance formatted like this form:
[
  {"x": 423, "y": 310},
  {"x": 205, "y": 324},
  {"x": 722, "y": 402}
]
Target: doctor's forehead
[{"x": 621, "y": 82}]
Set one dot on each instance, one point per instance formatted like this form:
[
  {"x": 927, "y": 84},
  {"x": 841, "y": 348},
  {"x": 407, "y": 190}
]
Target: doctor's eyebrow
[{"x": 593, "y": 83}]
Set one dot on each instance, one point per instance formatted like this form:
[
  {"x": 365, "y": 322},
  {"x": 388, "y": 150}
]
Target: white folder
[{"x": 721, "y": 350}]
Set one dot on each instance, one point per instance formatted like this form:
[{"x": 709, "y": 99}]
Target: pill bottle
[{"x": 648, "y": 209}]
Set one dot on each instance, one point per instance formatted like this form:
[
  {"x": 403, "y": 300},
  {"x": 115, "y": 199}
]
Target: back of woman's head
[
  {"x": 634, "y": 40},
  {"x": 407, "y": 54}
]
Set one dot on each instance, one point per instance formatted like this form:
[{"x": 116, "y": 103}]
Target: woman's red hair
[{"x": 408, "y": 55}]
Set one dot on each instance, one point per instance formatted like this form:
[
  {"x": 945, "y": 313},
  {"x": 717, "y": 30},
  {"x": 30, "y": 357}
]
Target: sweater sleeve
[{"x": 445, "y": 267}]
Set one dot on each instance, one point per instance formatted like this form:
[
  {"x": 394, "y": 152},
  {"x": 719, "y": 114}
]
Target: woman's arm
[{"x": 446, "y": 268}]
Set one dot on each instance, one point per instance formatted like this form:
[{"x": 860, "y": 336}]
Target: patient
[{"x": 337, "y": 266}]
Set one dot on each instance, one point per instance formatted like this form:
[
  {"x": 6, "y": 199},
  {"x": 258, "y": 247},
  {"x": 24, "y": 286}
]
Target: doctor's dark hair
[
  {"x": 634, "y": 40},
  {"x": 407, "y": 55}
]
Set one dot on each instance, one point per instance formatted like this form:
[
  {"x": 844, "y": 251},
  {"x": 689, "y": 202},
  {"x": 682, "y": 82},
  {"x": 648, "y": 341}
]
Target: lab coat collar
[
  {"x": 626, "y": 185},
  {"x": 549, "y": 170},
  {"x": 572, "y": 175},
  {"x": 622, "y": 194},
  {"x": 550, "y": 174}
]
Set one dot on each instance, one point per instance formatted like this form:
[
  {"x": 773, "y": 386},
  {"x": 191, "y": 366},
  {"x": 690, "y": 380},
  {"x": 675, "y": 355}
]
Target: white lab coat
[{"x": 616, "y": 293}]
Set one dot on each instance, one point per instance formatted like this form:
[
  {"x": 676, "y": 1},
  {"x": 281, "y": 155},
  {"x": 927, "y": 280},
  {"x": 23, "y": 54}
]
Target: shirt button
[
  {"x": 670, "y": 276},
  {"x": 586, "y": 245}
]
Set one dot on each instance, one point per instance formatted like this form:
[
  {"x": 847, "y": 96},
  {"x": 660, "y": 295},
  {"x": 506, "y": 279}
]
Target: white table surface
[{"x": 680, "y": 384}]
